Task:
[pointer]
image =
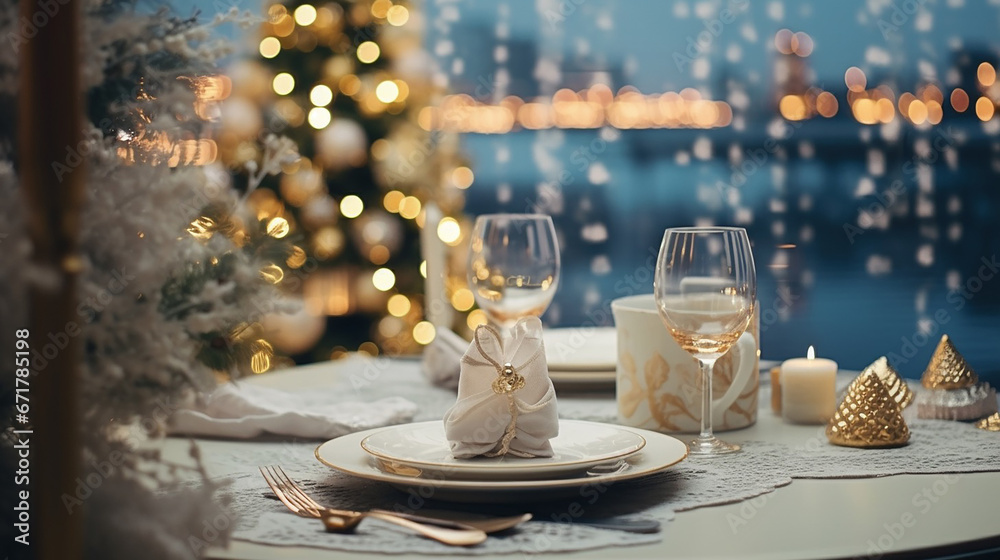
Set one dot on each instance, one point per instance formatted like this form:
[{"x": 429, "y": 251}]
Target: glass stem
[{"x": 706, "y": 398}]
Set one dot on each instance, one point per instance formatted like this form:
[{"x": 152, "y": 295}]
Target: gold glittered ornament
[
  {"x": 991, "y": 423},
  {"x": 948, "y": 369},
  {"x": 868, "y": 416},
  {"x": 894, "y": 384}
]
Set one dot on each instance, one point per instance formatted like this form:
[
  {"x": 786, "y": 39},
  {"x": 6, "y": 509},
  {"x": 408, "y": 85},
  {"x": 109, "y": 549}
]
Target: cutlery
[
  {"x": 343, "y": 521},
  {"x": 487, "y": 525},
  {"x": 496, "y": 524}
]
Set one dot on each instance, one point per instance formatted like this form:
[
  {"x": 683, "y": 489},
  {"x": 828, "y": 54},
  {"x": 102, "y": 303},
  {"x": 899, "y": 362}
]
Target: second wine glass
[
  {"x": 513, "y": 266},
  {"x": 705, "y": 288}
]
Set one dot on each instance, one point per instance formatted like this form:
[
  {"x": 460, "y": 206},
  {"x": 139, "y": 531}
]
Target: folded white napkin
[
  {"x": 242, "y": 410},
  {"x": 506, "y": 403},
  {"x": 442, "y": 359}
]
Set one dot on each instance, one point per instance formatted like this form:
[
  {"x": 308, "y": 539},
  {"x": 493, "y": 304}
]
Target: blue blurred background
[{"x": 869, "y": 239}]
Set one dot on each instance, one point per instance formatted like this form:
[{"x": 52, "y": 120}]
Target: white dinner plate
[
  {"x": 346, "y": 455},
  {"x": 581, "y": 348},
  {"x": 422, "y": 448}
]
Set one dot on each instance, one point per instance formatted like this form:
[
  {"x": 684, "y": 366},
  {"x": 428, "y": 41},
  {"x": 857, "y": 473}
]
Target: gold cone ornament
[
  {"x": 894, "y": 384},
  {"x": 868, "y": 416},
  {"x": 991, "y": 423},
  {"x": 948, "y": 369}
]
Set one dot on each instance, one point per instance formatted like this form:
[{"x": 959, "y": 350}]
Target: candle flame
[{"x": 811, "y": 354}]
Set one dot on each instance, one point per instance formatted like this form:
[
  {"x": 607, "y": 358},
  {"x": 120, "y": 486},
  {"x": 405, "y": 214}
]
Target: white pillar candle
[
  {"x": 437, "y": 309},
  {"x": 808, "y": 389}
]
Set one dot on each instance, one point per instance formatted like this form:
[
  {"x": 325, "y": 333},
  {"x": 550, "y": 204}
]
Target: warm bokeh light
[
  {"x": 449, "y": 230},
  {"x": 319, "y": 117},
  {"x": 321, "y": 95},
  {"x": 398, "y": 305},
  {"x": 826, "y": 104},
  {"x": 476, "y": 318},
  {"x": 959, "y": 100},
  {"x": 802, "y": 44},
  {"x": 462, "y": 177},
  {"x": 305, "y": 15},
  {"x": 783, "y": 41},
  {"x": 423, "y": 269},
  {"x": 379, "y": 254},
  {"x": 391, "y": 201},
  {"x": 587, "y": 109},
  {"x": 423, "y": 332},
  {"x": 380, "y": 8},
  {"x": 917, "y": 111},
  {"x": 297, "y": 258},
  {"x": 462, "y": 299},
  {"x": 383, "y": 279},
  {"x": 270, "y": 47},
  {"x": 934, "y": 112},
  {"x": 904, "y": 103},
  {"x": 368, "y": 52},
  {"x": 987, "y": 74},
  {"x": 278, "y": 227},
  {"x": 283, "y": 83},
  {"x": 351, "y": 206},
  {"x": 387, "y": 91},
  {"x": 397, "y": 15},
  {"x": 349, "y": 84},
  {"x": 283, "y": 25},
  {"x": 984, "y": 109},
  {"x": 409, "y": 207},
  {"x": 865, "y": 111},
  {"x": 272, "y": 273},
  {"x": 855, "y": 79},
  {"x": 886, "y": 111},
  {"x": 792, "y": 107}
]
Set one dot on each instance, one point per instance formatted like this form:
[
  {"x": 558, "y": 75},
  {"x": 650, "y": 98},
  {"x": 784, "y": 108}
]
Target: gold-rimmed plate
[
  {"x": 420, "y": 449},
  {"x": 346, "y": 455}
]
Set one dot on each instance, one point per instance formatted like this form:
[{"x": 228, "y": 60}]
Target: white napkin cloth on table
[
  {"x": 498, "y": 413},
  {"x": 242, "y": 410},
  {"x": 442, "y": 359}
]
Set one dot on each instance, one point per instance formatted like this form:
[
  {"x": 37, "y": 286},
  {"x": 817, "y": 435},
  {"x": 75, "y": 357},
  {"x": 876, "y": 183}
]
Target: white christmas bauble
[
  {"x": 376, "y": 227},
  {"x": 302, "y": 185},
  {"x": 240, "y": 117},
  {"x": 293, "y": 333},
  {"x": 342, "y": 144},
  {"x": 320, "y": 211}
]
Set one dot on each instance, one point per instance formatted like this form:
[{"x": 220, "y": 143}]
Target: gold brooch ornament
[{"x": 508, "y": 380}]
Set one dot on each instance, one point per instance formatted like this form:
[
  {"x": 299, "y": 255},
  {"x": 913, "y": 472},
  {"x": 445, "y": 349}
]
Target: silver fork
[{"x": 344, "y": 521}]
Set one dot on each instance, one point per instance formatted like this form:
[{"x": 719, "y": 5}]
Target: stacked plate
[
  {"x": 582, "y": 358},
  {"x": 417, "y": 457}
]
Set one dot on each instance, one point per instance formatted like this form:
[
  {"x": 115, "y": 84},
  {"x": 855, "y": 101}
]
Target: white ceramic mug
[{"x": 658, "y": 383}]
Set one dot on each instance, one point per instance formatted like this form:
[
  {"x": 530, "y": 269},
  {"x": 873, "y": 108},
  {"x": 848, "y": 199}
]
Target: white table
[{"x": 896, "y": 516}]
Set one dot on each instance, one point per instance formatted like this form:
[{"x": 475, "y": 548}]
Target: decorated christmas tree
[{"x": 347, "y": 80}]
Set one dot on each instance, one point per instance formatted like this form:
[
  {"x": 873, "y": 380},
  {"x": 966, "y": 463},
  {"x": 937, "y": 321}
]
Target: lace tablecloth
[{"x": 935, "y": 447}]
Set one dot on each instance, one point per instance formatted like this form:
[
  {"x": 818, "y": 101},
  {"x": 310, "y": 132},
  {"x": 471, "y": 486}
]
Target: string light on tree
[{"x": 347, "y": 79}]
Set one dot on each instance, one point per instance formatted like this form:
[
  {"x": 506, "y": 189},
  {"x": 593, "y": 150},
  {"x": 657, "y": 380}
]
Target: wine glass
[
  {"x": 705, "y": 289},
  {"x": 513, "y": 266}
]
